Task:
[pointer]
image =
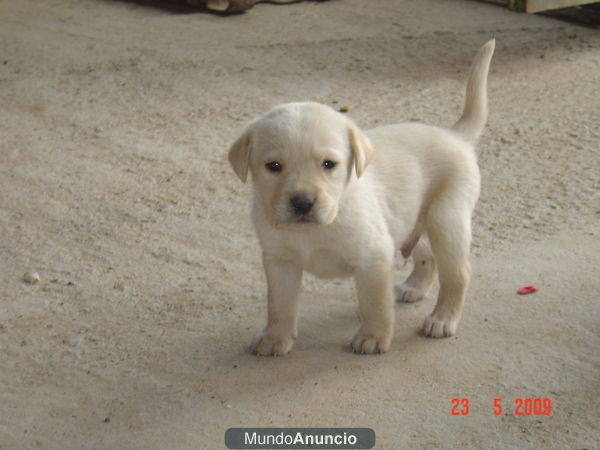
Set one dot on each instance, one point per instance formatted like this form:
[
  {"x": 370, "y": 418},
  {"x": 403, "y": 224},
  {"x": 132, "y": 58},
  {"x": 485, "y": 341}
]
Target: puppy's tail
[{"x": 471, "y": 123}]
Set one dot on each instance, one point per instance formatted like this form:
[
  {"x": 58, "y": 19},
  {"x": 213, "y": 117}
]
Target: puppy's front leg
[
  {"x": 375, "y": 308},
  {"x": 283, "y": 283}
]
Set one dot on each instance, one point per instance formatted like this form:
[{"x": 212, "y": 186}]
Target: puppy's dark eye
[
  {"x": 274, "y": 166},
  {"x": 328, "y": 165}
]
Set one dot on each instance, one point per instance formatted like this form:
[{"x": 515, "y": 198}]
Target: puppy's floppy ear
[
  {"x": 362, "y": 150},
  {"x": 239, "y": 155}
]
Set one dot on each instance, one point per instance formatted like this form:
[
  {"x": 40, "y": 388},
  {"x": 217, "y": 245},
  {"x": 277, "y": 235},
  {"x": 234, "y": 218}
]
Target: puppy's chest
[
  {"x": 326, "y": 264},
  {"x": 322, "y": 262}
]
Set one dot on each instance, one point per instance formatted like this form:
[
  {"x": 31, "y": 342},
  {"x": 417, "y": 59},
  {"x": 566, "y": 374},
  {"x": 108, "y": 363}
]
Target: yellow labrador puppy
[{"x": 336, "y": 201}]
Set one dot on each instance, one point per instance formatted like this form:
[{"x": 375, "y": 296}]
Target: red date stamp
[{"x": 519, "y": 407}]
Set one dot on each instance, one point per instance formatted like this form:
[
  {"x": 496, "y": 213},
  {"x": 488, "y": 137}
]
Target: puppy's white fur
[{"x": 406, "y": 186}]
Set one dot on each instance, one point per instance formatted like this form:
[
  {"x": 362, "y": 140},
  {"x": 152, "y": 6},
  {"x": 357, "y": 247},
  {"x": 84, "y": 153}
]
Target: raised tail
[{"x": 471, "y": 123}]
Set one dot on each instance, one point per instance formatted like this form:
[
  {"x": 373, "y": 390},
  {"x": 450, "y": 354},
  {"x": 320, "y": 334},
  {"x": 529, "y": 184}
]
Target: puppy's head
[{"x": 301, "y": 157}]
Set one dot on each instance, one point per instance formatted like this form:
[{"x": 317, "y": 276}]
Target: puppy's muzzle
[{"x": 302, "y": 205}]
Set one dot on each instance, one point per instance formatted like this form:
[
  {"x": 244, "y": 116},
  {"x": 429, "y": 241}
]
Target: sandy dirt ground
[{"x": 115, "y": 119}]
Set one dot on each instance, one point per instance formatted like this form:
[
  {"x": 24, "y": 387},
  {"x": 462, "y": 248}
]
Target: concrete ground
[{"x": 115, "y": 120}]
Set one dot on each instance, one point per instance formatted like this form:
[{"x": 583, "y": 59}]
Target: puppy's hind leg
[
  {"x": 449, "y": 230},
  {"x": 422, "y": 276}
]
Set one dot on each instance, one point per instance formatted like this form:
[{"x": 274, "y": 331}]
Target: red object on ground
[{"x": 527, "y": 290}]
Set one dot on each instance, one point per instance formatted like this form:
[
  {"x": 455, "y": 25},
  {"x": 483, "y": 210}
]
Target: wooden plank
[{"x": 533, "y": 6}]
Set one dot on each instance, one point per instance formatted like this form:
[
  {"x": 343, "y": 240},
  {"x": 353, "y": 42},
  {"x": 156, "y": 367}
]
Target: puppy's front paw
[
  {"x": 408, "y": 293},
  {"x": 437, "y": 326},
  {"x": 371, "y": 342},
  {"x": 269, "y": 343}
]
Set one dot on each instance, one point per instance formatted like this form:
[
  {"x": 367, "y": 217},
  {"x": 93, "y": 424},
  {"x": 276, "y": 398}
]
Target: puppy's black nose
[{"x": 302, "y": 204}]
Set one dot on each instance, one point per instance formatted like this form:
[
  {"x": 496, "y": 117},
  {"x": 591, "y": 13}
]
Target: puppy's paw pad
[
  {"x": 370, "y": 343},
  {"x": 269, "y": 344},
  {"x": 407, "y": 293},
  {"x": 437, "y": 326}
]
